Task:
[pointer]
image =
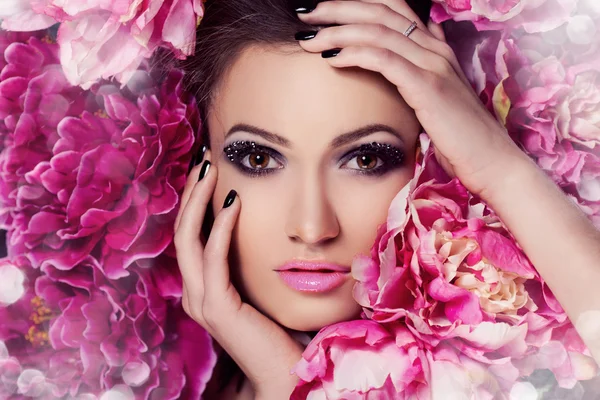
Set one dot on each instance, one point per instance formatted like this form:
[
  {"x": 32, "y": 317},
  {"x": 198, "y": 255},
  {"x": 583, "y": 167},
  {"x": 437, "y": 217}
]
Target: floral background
[{"x": 95, "y": 142}]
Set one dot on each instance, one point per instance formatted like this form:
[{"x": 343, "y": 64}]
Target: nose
[{"x": 312, "y": 218}]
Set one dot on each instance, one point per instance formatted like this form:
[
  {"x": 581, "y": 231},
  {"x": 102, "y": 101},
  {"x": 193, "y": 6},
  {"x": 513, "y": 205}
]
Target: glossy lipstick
[{"x": 311, "y": 276}]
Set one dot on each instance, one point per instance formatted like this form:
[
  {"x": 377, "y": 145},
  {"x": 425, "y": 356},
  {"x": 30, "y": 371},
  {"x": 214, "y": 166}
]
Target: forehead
[{"x": 295, "y": 93}]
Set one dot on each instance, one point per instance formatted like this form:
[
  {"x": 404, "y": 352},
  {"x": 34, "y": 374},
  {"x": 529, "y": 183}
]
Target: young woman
[{"x": 312, "y": 115}]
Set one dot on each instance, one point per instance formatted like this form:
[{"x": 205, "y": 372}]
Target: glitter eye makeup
[
  {"x": 373, "y": 159},
  {"x": 253, "y": 159}
]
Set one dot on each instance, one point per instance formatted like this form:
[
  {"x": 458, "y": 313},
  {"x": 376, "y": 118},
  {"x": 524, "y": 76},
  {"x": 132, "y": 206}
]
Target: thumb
[{"x": 436, "y": 30}]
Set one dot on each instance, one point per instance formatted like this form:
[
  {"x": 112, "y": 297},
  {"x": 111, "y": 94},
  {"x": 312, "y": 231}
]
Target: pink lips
[{"x": 319, "y": 277}]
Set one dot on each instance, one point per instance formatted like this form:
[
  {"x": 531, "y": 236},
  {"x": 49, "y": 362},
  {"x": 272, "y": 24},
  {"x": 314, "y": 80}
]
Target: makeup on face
[
  {"x": 313, "y": 276},
  {"x": 367, "y": 159}
]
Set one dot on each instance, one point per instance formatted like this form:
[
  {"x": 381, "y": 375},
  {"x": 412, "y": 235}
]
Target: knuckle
[
  {"x": 178, "y": 239},
  {"x": 378, "y": 30},
  {"x": 435, "y": 82},
  {"x": 210, "y": 313},
  {"x": 442, "y": 67},
  {"x": 444, "y": 50},
  {"x": 383, "y": 58}
]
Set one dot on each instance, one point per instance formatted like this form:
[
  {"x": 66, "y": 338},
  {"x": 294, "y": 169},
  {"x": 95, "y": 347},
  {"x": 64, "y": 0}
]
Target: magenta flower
[
  {"x": 104, "y": 182},
  {"x": 365, "y": 360},
  {"x": 102, "y": 39},
  {"x": 34, "y": 98},
  {"x": 88, "y": 334},
  {"x": 445, "y": 265},
  {"x": 532, "y": 16}
]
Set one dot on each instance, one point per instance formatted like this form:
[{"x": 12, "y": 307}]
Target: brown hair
[
  {"x": 230, "y": 26},
  {"x": 227, "y": 28}
]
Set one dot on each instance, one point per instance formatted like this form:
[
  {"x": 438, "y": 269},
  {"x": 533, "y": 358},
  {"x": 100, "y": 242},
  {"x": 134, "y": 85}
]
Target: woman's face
[{"x": 311, "y": 196}]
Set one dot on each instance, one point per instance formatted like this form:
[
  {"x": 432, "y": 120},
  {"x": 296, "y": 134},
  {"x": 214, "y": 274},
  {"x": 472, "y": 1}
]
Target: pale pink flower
[
  {"x": 446, "y": 266},
  {"x": 547, "y": 96},
  {"x": 103, "y": 39},
  {"x": 18, "y": 15},
  {"x": 532, "y": 15},
  {"x": 365, "y": 360}
]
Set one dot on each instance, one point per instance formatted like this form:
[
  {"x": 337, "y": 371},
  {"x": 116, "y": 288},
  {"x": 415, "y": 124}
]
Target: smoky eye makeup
[
  {"x": 253, "y": 159},
  {"x": 373, "y": 159},
  {"x": 369, "y": 159}
]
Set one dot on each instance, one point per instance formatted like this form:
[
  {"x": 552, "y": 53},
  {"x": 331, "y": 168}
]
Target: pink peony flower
[
  {"x": 101, "y": 39},
  {"x": 532, "y": 16},
  {"x": 544, "y": 88},
  {"x": 104, "y": 182},
  {"x": 88, "y": 334},
  {"x": 446, "y": 266},
  {"x": 365, "y": 360},
  {"x": 553, "y": 115},
  {"x": 34, "y": 98},
  {"x": 18, "y": 15}
]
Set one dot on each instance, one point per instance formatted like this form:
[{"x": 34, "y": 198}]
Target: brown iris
[
  {"x": 258, "y": 160},
  {"x": 366, "y": 161}
]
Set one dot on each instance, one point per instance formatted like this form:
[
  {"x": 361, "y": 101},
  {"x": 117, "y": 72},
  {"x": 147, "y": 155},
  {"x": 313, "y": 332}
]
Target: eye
[
  {"x": 364, "y": 162},
  {"x": 253, "y": 159},
  {"x": 259, "y": 160},
  {"x": 373, "y": 159}
]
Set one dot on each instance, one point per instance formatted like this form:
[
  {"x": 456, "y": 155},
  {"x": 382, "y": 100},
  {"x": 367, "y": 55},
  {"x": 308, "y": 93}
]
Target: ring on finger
[{"x": 410, "y": 29}]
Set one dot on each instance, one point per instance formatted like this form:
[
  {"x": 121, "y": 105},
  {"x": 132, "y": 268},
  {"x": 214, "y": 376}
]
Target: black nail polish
[
  {"x": 305, "y": 35},
  {"x": 197, "y": 159},
  {"x": 330, "y": 53},
  {"x": 204, "y": 170},
  {"x": 304, "y": 10},
  {"x": 200, "y": 155},
  {"x": 230, "y": 198}
]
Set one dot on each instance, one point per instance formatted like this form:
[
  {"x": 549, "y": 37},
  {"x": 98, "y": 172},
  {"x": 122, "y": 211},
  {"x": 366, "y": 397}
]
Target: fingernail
[
  {"x": 204, "y": 170},
  {"x": 305, "y": 35},
  {"x": 197, "y": 159},
  {"x": 230, "y": 198},
  {"x": 330, "y": 53},
  {"x": 304, "y": 10},
  {"x": 200, "y": 155}
]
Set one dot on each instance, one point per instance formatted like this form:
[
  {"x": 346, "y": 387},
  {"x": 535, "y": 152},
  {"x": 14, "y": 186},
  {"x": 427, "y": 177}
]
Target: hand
[
  {"x": 262, "y": 349},
  {"x": 473, "y": 145}
]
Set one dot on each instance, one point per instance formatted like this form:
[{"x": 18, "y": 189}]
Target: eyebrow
[{"x": 338, "y": 141}]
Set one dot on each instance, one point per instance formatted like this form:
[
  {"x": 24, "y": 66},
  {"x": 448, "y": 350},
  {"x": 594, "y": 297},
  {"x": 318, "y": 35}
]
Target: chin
[{"x": 313, "y": 315}]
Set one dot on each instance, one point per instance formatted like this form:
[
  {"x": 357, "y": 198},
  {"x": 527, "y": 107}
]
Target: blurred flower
[
  {"x": 445, "y": 265},
  {"x": 34, "y": 98},
  {"x": 77, "y": 332},
  {"x": 553, "y": 113},
  {"x": 363, "y": 359},
  {"x": 532, "y": 16},
  {"x": 100, "y": 39},
  {"x": 104, "y": 182}
]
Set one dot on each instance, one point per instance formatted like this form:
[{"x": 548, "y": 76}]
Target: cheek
[
  {"x": 362, "y": 206},
  {"x": 261, "y": 214}
]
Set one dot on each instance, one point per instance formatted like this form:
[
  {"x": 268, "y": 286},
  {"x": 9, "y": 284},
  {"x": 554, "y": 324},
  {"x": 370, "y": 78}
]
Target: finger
[
  {"x": 187, "y": 236},
  {"x": 395, "y": 68},
  {"x": 425, "y": 91},
  {"x": 192, "y": 179},
  {"x": 343, "y": 12},
  {"x": 437, "y": 31},
  {"x": 216, "y": 265},
  {"x": 370, "y": 35},
  {"x": 425, "y": 54}
]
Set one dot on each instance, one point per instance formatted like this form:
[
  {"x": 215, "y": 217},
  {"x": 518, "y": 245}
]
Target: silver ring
[{"x": 410, "y": 29}]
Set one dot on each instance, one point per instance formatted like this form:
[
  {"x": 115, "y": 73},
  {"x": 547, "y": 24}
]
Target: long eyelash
[
  {"x": 234, "y": 150},
  {"x": 391, "y": 156},
  {"x": 237, "y": 150}
]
